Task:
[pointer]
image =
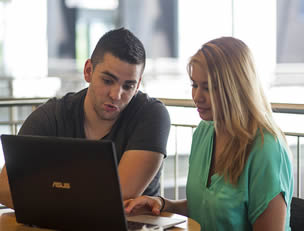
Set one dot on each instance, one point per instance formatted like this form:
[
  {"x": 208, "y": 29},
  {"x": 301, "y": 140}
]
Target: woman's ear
[{"x": 88, "y": 70}]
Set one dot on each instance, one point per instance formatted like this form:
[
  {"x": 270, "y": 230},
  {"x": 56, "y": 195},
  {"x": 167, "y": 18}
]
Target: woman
[{"x": 240, "y": 173}]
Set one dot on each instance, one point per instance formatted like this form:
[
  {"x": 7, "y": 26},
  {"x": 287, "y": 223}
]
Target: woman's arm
[
  {"x": 273, "y": 218},
  {"x": 176, "y": 206},
  {"x": 145, "y": 204}
]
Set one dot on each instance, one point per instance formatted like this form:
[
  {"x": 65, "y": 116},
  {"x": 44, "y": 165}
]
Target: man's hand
[{"x": 5, "y": 193}]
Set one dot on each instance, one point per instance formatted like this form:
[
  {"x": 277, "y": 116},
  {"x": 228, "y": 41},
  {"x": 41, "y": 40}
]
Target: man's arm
[
  {"x": 147, "y": 136},
  {"x": 136, "y": 170},
  {"x": 5, "y": 193}
]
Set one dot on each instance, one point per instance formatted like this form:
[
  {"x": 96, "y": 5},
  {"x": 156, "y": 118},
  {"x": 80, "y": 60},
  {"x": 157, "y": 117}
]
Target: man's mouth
[{"x": 110, "y": 107}]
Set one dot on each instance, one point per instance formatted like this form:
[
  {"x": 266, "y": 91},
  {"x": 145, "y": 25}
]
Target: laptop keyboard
[{"x": 132, "y": 225}]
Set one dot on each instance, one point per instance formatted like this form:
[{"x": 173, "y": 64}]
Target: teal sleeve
[{"x": 269, "y": 173}]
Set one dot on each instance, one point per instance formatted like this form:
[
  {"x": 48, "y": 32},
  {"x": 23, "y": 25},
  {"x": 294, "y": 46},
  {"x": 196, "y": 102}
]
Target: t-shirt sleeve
[
  {"x": 270, "y": 173},
  {"x": 151, "y": 130},
  {"x": 38, "y": 123}
]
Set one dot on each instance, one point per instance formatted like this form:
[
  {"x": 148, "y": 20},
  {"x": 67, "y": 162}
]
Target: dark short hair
[{"x": 122, "y": 44}]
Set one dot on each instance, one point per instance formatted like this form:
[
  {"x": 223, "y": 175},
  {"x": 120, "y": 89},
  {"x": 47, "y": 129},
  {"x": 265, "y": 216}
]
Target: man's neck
[
  {"x": 96, "y": 131},
  {"x": 94, "y": 127}
]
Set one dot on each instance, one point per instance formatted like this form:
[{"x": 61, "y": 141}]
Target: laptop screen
[{"x": 64, "y": 183}]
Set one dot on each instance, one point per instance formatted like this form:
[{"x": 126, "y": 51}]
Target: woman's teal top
[{"x": 223, "y": 206}]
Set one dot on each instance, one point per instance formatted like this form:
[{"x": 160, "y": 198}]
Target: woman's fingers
[
  {"x": 133, "y": 204},
  {"x": 156, "y": 206},
  {"x": 142, "y": 204},
  {"x": 126, "y": 202}
]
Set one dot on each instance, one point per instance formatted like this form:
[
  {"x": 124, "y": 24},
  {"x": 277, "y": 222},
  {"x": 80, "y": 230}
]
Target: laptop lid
[
  {"x": 68, "y": 184},
  {"x": 64, "y": 183}
]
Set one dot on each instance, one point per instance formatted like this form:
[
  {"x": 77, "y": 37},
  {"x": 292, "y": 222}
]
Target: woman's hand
[{"x": 143, "y": 204}]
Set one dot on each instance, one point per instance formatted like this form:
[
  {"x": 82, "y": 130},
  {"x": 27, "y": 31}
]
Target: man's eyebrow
[
  {"x": 130, "y": 81},
  {"x": 116, "y": 78},
  {"x": 110, "y": 74}
]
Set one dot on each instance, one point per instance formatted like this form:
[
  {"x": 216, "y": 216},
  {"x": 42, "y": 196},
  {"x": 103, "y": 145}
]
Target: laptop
[{"x": 68, "y": 184}]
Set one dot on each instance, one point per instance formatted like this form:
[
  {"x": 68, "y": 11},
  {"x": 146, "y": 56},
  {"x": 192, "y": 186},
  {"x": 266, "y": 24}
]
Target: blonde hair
[{"x": 240, "y": 108}]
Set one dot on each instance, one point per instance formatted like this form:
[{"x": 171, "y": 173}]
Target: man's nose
[{"x": 115, "y": 92}]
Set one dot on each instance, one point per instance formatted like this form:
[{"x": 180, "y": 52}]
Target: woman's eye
[{"x": 194, "y": 85}]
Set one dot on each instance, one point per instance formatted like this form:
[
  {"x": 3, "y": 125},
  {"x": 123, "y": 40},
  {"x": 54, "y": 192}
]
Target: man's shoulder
[
  {"x": 144, "y": 109},
  {"x": 143, "y": 106},
  {"x": 142, "y": 100},
  {"x": 68, "y": 100},
  {"x": 57, "y": 117}
]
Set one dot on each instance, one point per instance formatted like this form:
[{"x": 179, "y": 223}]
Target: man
[{"x": 112, "y": 108}]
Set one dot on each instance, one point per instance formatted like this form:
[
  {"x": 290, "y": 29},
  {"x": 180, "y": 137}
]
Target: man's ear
[
  {"x": 88, "y": 70},
  {"x": 138, "y": 84}
]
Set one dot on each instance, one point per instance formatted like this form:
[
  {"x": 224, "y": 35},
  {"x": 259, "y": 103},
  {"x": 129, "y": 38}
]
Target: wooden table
[{"x": 8, "y": 223}]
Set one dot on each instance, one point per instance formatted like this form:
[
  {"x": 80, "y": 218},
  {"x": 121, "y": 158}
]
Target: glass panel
[
  {"x": 288, "y": 85},
  {"x": 290, "y": 31}
]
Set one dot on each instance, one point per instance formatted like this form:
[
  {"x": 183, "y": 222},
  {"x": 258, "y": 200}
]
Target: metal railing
[{"x": 13, "y": 103}]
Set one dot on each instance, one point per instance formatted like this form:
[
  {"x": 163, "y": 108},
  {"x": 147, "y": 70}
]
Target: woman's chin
[{"x": 206, "y": 117}]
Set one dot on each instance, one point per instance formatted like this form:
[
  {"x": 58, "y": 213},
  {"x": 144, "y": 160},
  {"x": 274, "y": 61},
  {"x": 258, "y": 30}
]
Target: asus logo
[{"x": 57, "y": 184}]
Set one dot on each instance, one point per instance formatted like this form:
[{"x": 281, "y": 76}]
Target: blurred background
[{"x": 44, "y": 44}]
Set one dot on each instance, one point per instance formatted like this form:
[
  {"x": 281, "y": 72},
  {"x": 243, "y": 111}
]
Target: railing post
[
  {"x": 34, "y": 107},
  {"x": 12, "y": 118},
  {"x": 162, "y": 181},
  {"x": 176, "y": 168},
  {"x": 298, "y": 166},
  {"x": 15, "y": 128}
]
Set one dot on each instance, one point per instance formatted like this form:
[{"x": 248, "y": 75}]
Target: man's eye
[
  {"x": 128, "y": 87},
  {"x": 108, "y": 81}
]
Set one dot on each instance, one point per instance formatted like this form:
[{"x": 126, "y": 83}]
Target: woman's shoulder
[
  {"x": 266, "y": 141},
  {"x": 269, "y": 148}
]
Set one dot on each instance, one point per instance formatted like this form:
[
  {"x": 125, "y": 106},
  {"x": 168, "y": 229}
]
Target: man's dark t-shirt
[{"x": 143, "y": 125}]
